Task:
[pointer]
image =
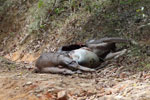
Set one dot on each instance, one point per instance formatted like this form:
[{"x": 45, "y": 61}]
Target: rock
[
  {"x": 38, "y": 91},
  {"x": 17, "y": 88},
  {"x": 38, "y": 95},
  {"x": 29, "y": 83},
  {"x": 62, "y": 95}
]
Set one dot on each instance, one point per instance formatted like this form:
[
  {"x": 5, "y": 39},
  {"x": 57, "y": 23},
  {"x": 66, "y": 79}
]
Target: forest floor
[{"x": 111, "y": 83}]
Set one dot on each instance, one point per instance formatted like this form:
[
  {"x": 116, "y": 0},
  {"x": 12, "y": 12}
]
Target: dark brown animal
[
  {"x": 50, "y": 62},
  {"x": 104, "y": 46},
  {"x": 73, "y": 57}
]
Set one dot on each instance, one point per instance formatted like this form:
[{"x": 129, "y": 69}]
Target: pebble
[{"x": 62, "y": 95}]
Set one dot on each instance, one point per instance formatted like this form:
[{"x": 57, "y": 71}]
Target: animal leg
[
  {"x": 85, "y": 69},
  {"x": 75, "y": 65},
  {"x": 116, "y": 54},
  {"x": 55, "y": 70}
]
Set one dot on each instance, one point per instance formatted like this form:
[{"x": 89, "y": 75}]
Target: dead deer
[
  {"x": 50, "y": 62},
  {"x": 104, "y": 49},
  {"x": 73, "y": 58}
]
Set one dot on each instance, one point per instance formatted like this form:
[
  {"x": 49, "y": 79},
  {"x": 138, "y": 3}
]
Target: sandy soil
[{"x": 106, "y": 84}]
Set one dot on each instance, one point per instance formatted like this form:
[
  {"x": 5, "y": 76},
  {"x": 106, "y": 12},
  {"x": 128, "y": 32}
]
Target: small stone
[
  {"x": 38, "y": 91},
  {"x": 62, "y": 95},
  {"x": 29, "y": 83},
  {"x": 38, "y": 95},
  {"x": 17, "y": 88}
]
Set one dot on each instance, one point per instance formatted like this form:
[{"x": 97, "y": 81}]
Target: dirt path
[{"x": 104, "y": 85}]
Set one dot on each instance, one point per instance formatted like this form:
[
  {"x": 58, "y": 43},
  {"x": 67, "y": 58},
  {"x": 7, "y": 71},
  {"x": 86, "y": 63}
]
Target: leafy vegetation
[{"x": 49, "y": 10}]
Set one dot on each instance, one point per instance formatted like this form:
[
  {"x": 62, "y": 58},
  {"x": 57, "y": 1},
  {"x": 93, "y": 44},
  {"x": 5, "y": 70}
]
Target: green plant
[
  {"x": 40, "y": 3},
  {"x": 59, "y": 10}
]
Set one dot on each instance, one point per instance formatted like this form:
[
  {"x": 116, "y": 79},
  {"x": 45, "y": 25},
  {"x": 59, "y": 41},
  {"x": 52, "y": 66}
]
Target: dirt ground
[{"x": 111, "y": 83}]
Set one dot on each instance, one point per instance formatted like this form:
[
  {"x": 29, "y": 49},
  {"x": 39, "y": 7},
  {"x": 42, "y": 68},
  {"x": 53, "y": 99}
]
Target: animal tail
[{"x": 107, "y": 40}]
